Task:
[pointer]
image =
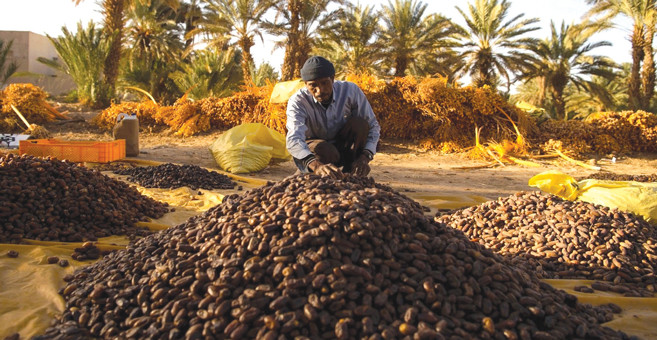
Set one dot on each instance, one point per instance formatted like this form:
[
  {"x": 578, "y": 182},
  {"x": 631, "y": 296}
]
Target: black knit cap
[{"x": 317, "y": 67}]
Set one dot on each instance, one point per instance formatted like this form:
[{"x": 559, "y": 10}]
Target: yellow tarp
[
  {"x": 248, "y": 148},
  {"x": 639, "y": 315},
  {"x": 636, "y": 197},
  {"x": 28, "y": 288},
  {"x": 446, "y": 202},
  {"x": 529, "y": 108},
  {"x": 284, "y": 90},
  {"x": 29, "y": 285},
  {"x": 29, "y": 298}
]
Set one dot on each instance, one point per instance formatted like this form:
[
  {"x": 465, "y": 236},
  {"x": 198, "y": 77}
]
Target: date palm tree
[
  {"x": 643, "y": 14},
  {"x": 442, "y": 59},
  {"x": 6, "y": 69},
  {"x": 290, "y": 11},
  {"x": 153, "y": 47},
  {"x": 297, "y": 22},
  {"x": 189, "y": 16},
  {"x": 563, "y": 59},
  {"x": 113, "y": 27},
  {"x": 114, "y": 22},
  {"x": 493, "y": 46},
  {"x": 264, "y": 74},
  {"x": 411, "y": 36},
  {"x": 350, "y": 41},
  {"x": 82, "y": 57},
  {"x": 209, "y": 73},
  {"x": 238, "y": 20},
  {"x": 610, "y": 96}
]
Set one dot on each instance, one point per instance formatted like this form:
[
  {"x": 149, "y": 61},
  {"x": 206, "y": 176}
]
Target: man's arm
[
  {"x": 365, "y": 111},
  {"x": 295, "y": 140}
]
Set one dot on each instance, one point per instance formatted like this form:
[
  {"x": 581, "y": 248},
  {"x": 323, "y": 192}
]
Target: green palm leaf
[
  {"x": 415, "y": 41},
  {"x": 564, "y": 60},
  {"x": 209, "y": 74},
  {"x": 238, "y": 22},
  {"x": 83, "y": 56},
  {"x": 492, "y": 46},
  {"x": 6, "y": 69}
]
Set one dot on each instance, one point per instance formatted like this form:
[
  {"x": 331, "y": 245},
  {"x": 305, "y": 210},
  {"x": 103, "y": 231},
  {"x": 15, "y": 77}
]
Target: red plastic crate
[{"x": 74, "y": 151}]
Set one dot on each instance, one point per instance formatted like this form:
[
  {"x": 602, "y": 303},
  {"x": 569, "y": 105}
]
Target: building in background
[{"x": 25, "y": 50}]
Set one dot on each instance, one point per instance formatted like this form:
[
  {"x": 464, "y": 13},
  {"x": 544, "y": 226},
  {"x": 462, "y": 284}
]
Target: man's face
[{"x": 321, "y": 89}]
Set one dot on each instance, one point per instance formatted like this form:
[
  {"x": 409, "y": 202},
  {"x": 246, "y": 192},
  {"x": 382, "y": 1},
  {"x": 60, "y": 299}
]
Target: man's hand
[
  {"x": 325, "y": 169},
  {"x": 361, "y": 166}
]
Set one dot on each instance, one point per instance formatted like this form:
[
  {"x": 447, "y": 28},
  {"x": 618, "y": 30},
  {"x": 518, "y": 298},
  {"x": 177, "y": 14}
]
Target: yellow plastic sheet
[
  {"x": 437, "y": 202},
  {"x": 636, "y": 197},
  {"x": 284, "y": 90},
  {"x": 29, "y": 286},
  {"x": 639, "y": 315},
  {"x": 248, "y": 148},
  {"x": 29, "y": 298},
  {"x": 186, "y": 201}
]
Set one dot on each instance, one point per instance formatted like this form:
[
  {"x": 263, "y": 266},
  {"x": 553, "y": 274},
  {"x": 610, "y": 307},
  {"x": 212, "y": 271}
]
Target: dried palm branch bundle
[
  {"x": 146, "y": 111},
  {"x": 31, "y": 101}
]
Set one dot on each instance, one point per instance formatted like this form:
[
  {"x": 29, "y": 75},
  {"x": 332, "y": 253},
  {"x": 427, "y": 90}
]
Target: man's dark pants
[{"x": 347, "y": 147}]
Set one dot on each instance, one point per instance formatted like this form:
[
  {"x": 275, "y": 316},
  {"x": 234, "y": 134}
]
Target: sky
[{"x": 49, "y": 16}]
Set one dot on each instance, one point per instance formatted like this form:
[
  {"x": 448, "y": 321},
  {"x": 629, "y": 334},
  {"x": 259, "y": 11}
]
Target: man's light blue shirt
[{"x": 308, "y": 119}]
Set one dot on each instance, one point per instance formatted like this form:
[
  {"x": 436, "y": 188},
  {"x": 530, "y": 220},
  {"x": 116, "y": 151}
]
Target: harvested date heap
[
  {"x": 114, "y": 166},
  {"x": 318, "y": 258},
  {"x": 173, "y": 176},
  {"x": 88, "y": 251},
  {"x": 610, "y": 176},
  {"x": 564, "y": 239},
  {"x": 49, "y": 199}
]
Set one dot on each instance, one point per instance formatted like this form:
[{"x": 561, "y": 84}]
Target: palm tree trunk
[
  {"x": 484, "y": 67},
  {"x": 303, "y": 52},
  {"x": 401, "y": 64},
  {"x": 191, "y": 16},
  {"x": 114, "y": 22},
  {"x": 634, "y": 86},
  {"x": 559, "y": 102},
  {"x": 648, "y": 71},
  {"x": 542, "y": 91},
  {"x": 290, "y": 67},
  {"x": 245, "y": 43}
]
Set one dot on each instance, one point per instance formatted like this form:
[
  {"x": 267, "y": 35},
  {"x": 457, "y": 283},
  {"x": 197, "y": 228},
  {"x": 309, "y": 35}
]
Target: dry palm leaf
[{"x": 582, "y": 164}]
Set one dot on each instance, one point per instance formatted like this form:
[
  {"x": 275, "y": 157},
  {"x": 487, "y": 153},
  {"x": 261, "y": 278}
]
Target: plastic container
[
  {"x": 74, "y": 151},
  {"x": 127, "y": 127}
]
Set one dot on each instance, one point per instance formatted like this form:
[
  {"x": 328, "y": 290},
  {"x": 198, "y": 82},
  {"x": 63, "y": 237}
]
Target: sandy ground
[{"x": 401, "y": 165}]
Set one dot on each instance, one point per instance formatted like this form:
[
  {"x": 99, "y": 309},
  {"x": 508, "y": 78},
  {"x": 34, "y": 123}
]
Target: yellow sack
[
  {"x": 248, "y": 148},
  {"x": 635, "y": 197},
  {"x": 529, "y": 108},
  {"x": 284, "y": 90}
]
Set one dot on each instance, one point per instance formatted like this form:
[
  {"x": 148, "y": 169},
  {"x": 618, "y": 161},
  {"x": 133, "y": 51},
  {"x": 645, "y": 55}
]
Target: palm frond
[
  {"x": 6, "y": 69},
  {"x": 494, "y": 47},
  {"x": 209, "y": 74},
  {"x": 83, "y": 57}
]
